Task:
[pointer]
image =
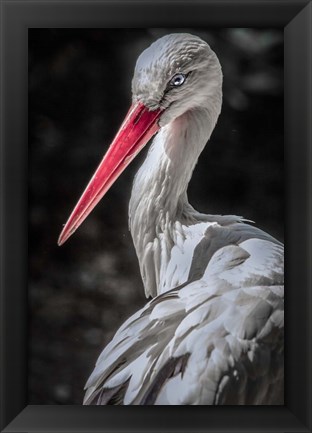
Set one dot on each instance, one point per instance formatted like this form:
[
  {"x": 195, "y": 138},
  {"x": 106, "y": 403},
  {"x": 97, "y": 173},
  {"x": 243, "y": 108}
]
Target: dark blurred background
[{"x": 79, "y": 92}]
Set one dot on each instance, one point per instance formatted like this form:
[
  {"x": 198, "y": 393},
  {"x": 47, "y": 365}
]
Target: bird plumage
[
  {"x": 213, "y": 332},
  {"x": 217, "y": 339}
]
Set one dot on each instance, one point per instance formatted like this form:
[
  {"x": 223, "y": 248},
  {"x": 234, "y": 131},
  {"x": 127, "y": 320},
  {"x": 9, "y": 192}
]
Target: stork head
[{"x": 176, "y": 73}]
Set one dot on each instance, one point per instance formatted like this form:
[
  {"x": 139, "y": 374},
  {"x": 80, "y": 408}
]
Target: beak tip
[
  {"x": 66, "y": 233},
  {"x": 62, "y": 239}
]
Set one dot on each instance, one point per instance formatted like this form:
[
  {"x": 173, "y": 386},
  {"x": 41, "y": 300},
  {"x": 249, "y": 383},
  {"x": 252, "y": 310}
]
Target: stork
[{"x": 212, "y": 334}]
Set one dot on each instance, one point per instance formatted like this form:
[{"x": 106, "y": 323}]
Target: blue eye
[{"x": 177, "y": 80}]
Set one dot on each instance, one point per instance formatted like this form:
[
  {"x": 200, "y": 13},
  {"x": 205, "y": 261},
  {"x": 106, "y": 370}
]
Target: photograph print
[{"x": 156, "y": 258}]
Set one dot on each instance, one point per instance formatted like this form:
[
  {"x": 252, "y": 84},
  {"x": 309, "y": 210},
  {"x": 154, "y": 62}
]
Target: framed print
[{"x": 66, "y": 75}]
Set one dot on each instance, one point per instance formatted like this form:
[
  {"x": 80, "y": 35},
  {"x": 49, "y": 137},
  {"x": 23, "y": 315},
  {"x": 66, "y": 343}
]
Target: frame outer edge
[
  {"x": 298, "y": 58},
  {"x": 13, "y": 215}
]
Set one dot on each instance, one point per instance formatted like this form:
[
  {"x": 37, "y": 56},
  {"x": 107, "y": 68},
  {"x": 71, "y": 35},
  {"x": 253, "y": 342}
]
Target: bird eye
[{"x": 177, "y": 80}]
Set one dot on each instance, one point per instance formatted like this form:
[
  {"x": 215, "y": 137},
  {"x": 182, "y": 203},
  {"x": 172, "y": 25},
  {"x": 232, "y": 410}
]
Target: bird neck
[{"x": 159, "y": 198}]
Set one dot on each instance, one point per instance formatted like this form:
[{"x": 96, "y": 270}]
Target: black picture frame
[{"x": 16, "y": 18}]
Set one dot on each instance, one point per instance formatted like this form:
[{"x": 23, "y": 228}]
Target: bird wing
[{"x": 217, "y": 339}]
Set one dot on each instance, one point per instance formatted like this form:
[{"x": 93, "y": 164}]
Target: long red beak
[{"x": 136, "y": 130}]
